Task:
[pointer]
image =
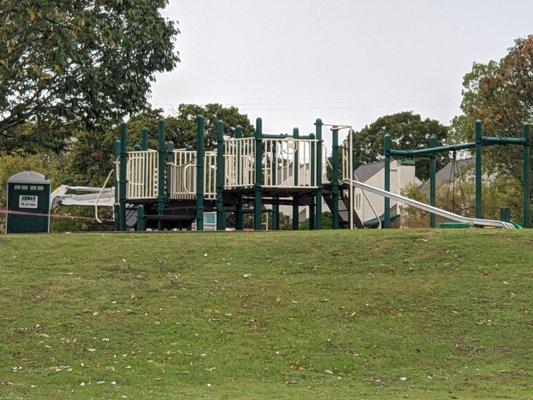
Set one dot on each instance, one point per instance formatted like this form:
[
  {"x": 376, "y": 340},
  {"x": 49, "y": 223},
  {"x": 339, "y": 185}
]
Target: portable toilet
[{"x": 28, "y": 193}]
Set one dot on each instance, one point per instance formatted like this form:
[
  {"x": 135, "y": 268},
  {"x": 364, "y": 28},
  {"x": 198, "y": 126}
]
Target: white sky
[{"x": 345, "y": 61}]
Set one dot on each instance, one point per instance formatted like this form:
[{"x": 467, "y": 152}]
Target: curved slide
[{"x": 474, "y": 222}]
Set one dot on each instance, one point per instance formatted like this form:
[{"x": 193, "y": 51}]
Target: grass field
[{"x": 288, "y": 315}]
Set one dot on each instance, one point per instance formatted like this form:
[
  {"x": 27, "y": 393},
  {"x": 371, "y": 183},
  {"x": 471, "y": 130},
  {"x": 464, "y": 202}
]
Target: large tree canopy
[
  {"x": 408, "y": 131},
  {"x": 500, "y": 94},
  {"x": 88, "y": 61},
  {"x": 181, "y": 129}
]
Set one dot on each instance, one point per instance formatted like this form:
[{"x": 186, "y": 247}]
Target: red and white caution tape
[{"x": 7, "y": 212}]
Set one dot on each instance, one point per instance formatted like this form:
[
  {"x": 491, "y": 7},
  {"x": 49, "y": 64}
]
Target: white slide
[{"x": 434, "y": 210}]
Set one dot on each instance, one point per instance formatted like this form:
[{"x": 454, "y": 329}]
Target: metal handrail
[
  {"x": 186, "y": 167},
  {"x": 98, "y": 198}
]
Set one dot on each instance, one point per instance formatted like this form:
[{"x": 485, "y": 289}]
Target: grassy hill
[{"x": 295, "y": 315}]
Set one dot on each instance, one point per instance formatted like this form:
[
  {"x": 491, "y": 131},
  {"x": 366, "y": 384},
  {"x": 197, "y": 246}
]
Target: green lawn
[{"x": 291, "y": 315}]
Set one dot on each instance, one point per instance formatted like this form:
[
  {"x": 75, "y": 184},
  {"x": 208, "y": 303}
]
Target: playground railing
[
  {"x": 289, "y": 162},
  {"x": 182, "y": 178},
  {"x": 210, "y": 175},
  {"x": 239, "y": 159},
  {"x": 345, "y": 163},
  {"x": 142, "y": 174}
]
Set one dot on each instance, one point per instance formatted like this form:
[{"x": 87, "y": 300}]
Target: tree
[
  {"x": 186, "y": 130},
  {"x": 181, "y": 129},
  {"x": 408, "y": 131},
  {"x": 31, "y": 138},
  {"x": 85, "y": 61},
  {"x": 501, "y": 192},
  {"x": 500, "y": 94}
]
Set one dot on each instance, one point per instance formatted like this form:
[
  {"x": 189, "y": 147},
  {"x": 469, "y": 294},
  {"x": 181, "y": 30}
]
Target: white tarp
[{"x": 82, "y": 196}]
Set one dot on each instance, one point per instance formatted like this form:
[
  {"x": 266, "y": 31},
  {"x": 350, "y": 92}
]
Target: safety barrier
[
  {"x": 142, "y": 174},
  {"x": 182, "y": 175},
  {"x": 345, "y": 163},
  {"x": 239, "y": 159},
  {"x": 289, "y": 163}
]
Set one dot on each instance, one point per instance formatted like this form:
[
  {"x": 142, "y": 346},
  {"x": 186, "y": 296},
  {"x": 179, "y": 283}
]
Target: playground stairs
[{"x": 343, "y": 207}]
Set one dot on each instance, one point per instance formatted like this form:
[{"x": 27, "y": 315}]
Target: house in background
[
  {"x": 450, "y": 173},
  {"x": 402, "y": 174}
]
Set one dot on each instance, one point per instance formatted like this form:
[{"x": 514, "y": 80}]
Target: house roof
[
  {"x": 444, "y": 175},
  {"x": 365, "y": 171}
]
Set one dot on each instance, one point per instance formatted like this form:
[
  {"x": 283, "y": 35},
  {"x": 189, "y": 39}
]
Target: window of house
[{"x": 358, "y": 200}]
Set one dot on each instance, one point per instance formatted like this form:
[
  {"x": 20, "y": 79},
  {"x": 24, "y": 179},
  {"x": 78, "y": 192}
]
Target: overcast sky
[{"x": 345, "y": 61}]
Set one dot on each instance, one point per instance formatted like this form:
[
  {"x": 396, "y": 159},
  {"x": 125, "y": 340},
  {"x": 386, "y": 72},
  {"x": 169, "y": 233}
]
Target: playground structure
[
  {"x": 172, "y": 188},
  {"x": 480, "y": 142},
  {"x": 242, "y": 175}
]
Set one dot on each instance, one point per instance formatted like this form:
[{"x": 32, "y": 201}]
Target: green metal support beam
[
  {"x": 296, "y": 173},
  {"x": 258, "y": 203},
  {"x": 319, "y": 184},
  {"x": 431, "y": 151},
  {"x": 386, "y": 201},
  {"x": 503, "y": 140},
  {"x": 141, "y": 218},
  {"x": 527, "y": 176},
  {"x": 239, "y": 216},
  {"x": 312, "y": 165},
  {"x": 479, "y": 171},
  {"x": 275, "y": 213},
  {"x": 145, "y": 134},
  {"x": 116, "y": 153},
  {"x": 200, "y": 158},
  {"x": 220, "y": 177},
  {"x": 122, "y": 176},
  {"x": 432, "y": 182},
  {"x": 335, "y": 165},
  {"x": 161, "y": 173},
  {"x": 169, "y": 150}
]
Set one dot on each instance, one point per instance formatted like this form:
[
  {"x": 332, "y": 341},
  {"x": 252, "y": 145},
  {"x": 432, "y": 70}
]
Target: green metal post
[
  {"x": 258, "y": 173},
  {"x": 312, "y": 166},
  {"x": 527, "y": 176},
  {"x": 335, "y": 223},
  {"x": 144, "y": 139},
  {"x": 141, "y": 218},
  {"x": 275, "y": 213},
  {"x": 505, "y": 214},
  {"x": 122, "y": 177},
  {"x": 275, "y": 201},
  {"x": 319, "y": 184},
  {"x": 161, "y": 180},
  {"x": 296, "y": 172},
  {"x": 116, "y": 153},
  {"x": 169, "y": 147},
  {"x": 479, "y": 172},
  {"x": 351, "y": 136},
  {"x": 200, "y": 157},
  {"x": 239, "y": 216},
  {"x": 386, "y": 202},
  {"x": 433, "y": 181},
  {"x": 312, "y": 213},
  {"x": 220, "y": 175}
]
